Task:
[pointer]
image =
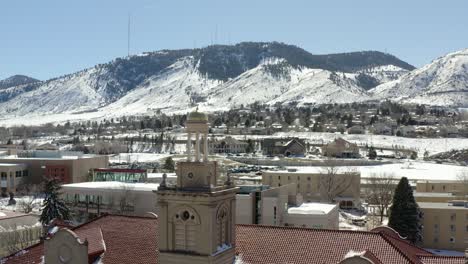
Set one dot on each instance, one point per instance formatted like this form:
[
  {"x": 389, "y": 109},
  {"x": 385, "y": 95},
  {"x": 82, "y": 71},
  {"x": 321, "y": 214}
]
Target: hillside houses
[{"x": 340, "y": 148}]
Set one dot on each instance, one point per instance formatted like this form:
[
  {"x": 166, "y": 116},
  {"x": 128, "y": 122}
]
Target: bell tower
[{"x": 197, "y": 215}]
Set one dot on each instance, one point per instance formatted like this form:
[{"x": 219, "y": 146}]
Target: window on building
[
  {"x": 25, "y": 173},
  {"x": 452, "y": 228},
  {"x": 308, "y": 178},
  {"x": 289, "y": 178},
  {"x": 453, "y": 217},
  {"x": 432, "y": 187},
  {"x": 452, "y": 239},
  {"x": 222, "y": 222},
  {"x": 466, "y": 228},
  {"x": 3, "y": 176},
  {"x": 18, "y": 174},
  {"x": 443, "y": 187}
]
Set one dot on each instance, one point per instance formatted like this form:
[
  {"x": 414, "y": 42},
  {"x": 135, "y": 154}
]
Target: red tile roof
[
  {"x": 128, "y": 239},
  {"x": 442, "y": 259},
  {"x": 134, "y": 240},
  {"x": 266, "y": 244}
]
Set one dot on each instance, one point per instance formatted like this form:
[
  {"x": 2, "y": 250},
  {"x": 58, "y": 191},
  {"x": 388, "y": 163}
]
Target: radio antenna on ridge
[{"x": 128, "y": 36}]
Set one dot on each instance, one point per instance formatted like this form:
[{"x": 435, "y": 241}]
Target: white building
[
  {"x": 282, "y": 206},
  {"x": 90, "y": 199},
  {"x": 313, "y": 215}
]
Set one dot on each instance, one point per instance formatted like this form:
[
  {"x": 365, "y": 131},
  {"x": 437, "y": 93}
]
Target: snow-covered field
[
  {"x": 36, "y": 202},
  {"x": 432, "y": 145}
]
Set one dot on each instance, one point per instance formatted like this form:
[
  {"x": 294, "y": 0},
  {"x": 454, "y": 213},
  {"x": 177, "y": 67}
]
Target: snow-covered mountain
[
  {"x": 442, "y": 82},
  {"x": 215, "y": 77},
  {"x": 16, "y": 80}
]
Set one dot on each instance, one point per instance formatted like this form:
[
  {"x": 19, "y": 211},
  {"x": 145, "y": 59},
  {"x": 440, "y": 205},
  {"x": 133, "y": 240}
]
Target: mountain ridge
[{"x": 219, "y": 77}]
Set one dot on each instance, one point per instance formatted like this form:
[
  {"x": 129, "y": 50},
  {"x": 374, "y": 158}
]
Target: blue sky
[{"x": 49, "y": 38}]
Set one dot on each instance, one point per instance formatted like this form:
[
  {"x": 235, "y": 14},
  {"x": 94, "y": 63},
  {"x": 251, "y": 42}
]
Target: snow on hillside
[
  {"x": 171, "y": 90},
  {"x": 74, "y": 93},
  {"x": 385, "y": 73},
  {"x": 442, "y": 82},
  {"x": 302, "y": 85}
]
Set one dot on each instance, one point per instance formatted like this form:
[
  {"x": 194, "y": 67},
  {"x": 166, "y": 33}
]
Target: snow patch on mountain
[{"x": 442, "y": 82}]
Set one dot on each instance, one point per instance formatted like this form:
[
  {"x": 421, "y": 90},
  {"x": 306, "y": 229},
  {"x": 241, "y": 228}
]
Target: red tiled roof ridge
[
  {"x": 24, "y": 249},
  {"x": 313, "y": 229},
  {"x": 400, "y": 251},
  {"x": 439, "y": 256},
  {"x": 80, "y": 226},
  {"x": 107, "y": 215},
  {"x": 410, "y": 244}
]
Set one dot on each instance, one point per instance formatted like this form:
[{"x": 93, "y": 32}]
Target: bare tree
[
  {"x": 335, "y": 180},
  {"x": 462, "y": 178},
  {"x": 379, "y": 192},
  {"x": 122, "y": 201},
  {"x": 30, "y": 192}
]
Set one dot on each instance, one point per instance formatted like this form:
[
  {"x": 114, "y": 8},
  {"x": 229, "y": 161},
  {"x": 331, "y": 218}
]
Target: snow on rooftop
[
  {"x": 137, "y": 157},
  {"x": 312, "y": 208},
  {"x": 112, "y": 185},
  {"x": 413, "y": 170},
  {"x": 160, "y": 174}
]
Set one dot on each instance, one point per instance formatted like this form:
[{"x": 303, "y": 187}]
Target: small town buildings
[
  {"x": 314, "y": 184},
  {"x": 406, "y": 131},
  {"x": 445, "y": 225},
  {"x": 381, "y": 129},
  {"x": 227, "y": 145},
  {"x": 284, "y": 147},
  {"x": 356, "y": 129},
  {"x": 196, "y": 224},
  {"x": 11, "y": 175},
  {"x": 17, "y": 231},
  {"x": 91, "y": 199},
  {"x": 340, "y": 148},
  {"x": 67, "y": 166},
  {"x": 119, "y": 175},
  {"x": 441, "y": 186},
  {"x": 313, "y": 215},
  {"x": 434, "y": 197},
  {"x": 116, "y": 239}
]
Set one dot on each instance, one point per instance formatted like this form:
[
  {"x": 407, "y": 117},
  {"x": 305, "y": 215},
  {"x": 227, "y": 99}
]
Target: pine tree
[
  {"x": 169, "y": 164},
  {"x": 53, "y": 206},
  {"x": 405, "y": 215},
  {"x": 372, "y": 154}
]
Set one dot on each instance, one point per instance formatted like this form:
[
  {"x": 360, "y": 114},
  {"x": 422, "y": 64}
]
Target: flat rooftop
[
  {"x": 433, "y": 194},
  {"x": 15, "y": 157},
  {"x": 8, "y": 214},
  {"x": 111, "y": 185},
  {"x": 413, "y": 170},
  {"x": 312, "y": 209},
  {"x": 441, "y": 206},
  {"x": 160, "y": 174},
  {"x": 11, "y": 164}
]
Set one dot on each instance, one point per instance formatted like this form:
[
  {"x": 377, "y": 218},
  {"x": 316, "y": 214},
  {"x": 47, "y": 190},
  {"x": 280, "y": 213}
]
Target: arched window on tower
[
  {"x": 185, "y": 226},
  {"x": 222, "y": 222}
]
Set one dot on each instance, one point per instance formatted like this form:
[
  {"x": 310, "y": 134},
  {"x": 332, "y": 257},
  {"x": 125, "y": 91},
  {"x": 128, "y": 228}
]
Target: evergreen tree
[
  {"x": 404, "y": 213},
  {"x": 372, "y": 154},
  {"x": 250, "y": 146},
  {"x": 169, "y": 164},
  {"x": 53, "y": 206}
]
